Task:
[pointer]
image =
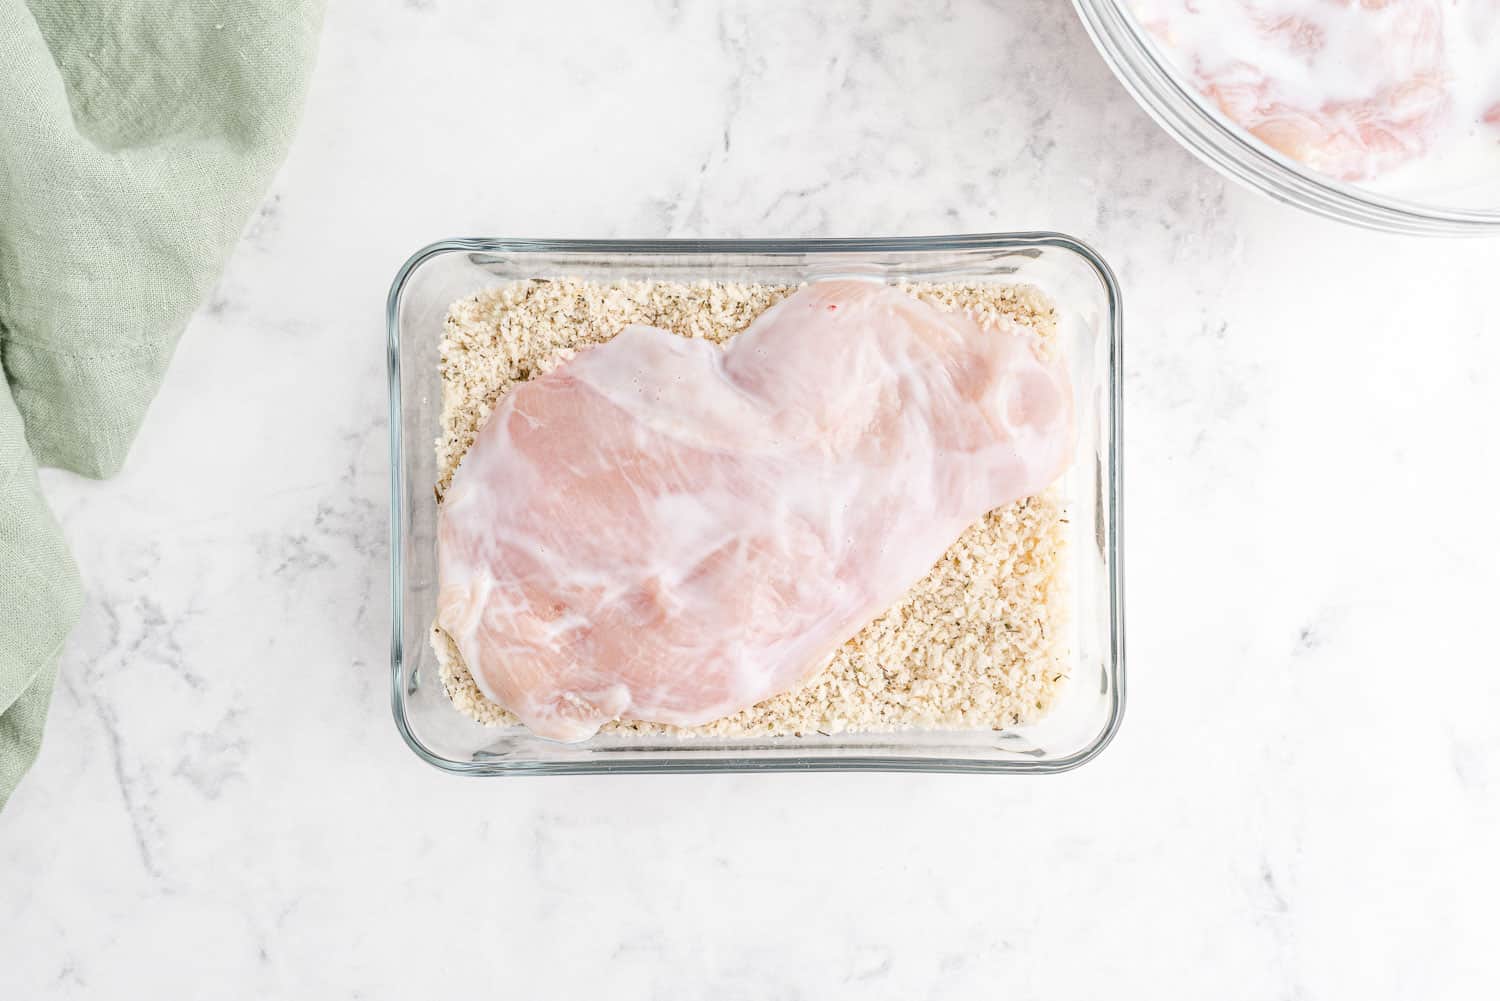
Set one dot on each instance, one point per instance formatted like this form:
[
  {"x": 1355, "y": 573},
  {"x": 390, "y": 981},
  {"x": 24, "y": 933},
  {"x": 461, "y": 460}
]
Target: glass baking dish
[{"x": 1087, "y": 298}]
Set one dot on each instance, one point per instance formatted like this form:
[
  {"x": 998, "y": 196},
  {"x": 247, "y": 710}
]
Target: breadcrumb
[{"x": 980, "y": 642}]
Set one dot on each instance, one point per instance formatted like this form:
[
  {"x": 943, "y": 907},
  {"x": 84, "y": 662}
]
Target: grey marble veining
[{"x": 1305, "y": 797}]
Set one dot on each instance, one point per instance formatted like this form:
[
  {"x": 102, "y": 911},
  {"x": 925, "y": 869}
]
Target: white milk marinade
[{"x": 1399, "y": 96}]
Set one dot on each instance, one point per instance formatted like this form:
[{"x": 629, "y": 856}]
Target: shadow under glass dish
[
  {"x": 1081, "y": 287},
  {"x": 1190, "y": 118}
]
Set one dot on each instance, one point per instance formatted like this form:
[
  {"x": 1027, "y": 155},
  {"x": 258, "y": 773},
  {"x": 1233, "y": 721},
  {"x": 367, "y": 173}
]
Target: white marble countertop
[{"x": 1304, "y": 801}]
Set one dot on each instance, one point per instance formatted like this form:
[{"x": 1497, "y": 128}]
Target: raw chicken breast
[
  {"x": 1383, "y": 121},
  {"x": 1352, "y": 88},
  {"x": 664, "y": 530}
]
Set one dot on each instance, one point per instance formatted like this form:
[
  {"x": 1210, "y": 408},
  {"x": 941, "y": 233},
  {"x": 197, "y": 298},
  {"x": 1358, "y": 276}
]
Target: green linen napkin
[{"x": 136, "y": 136}]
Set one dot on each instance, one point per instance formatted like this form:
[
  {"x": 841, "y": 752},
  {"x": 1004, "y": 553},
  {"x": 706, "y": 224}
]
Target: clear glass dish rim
[
  {"x": 876, "y": 763},
  {"x": 1235, "y": 154}
]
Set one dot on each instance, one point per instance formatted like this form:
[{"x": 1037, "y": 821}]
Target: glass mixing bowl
[{"x": 1178, "y": 107}]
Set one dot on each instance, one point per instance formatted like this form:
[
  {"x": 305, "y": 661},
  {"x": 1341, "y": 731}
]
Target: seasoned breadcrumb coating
[{"x": 980, "y": 642}]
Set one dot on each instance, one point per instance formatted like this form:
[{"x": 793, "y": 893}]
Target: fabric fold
[
  {"x": 136, "y": 137},
  {"x": 38, "y": 606}
]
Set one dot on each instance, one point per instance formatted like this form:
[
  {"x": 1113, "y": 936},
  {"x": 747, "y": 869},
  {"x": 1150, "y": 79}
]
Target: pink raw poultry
[
  {"x": 663, "y": 530},
  {"x": 1353, "y": 88}
]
